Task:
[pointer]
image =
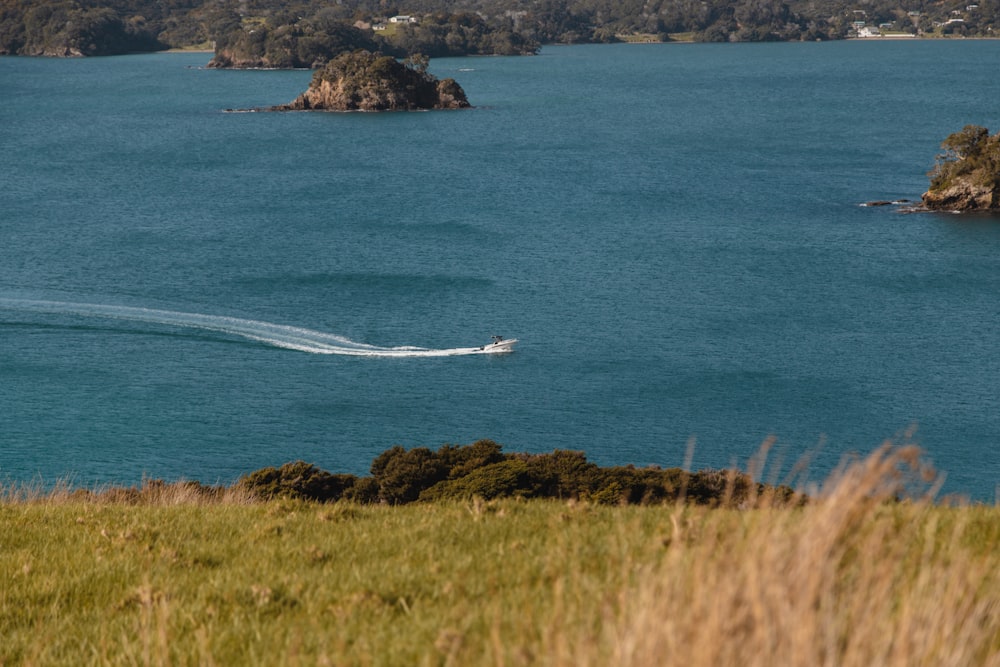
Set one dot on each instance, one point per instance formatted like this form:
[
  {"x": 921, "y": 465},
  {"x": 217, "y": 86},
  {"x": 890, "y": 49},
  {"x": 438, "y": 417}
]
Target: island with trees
[
  {"x": 967, "y": 175},
  {"x": 366, "y": 81},
  {"x": 298, "y": 33}
]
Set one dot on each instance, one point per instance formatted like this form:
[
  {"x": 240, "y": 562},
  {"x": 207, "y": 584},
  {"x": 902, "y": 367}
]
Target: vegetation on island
[
  {"x": 966, "y": 176},
  {"x": 304, "y": 44},
  {"x": 169, "y": 575},
  {"x": 313, "y": 40},
  {"x": 366, "y": 81},
  {"x": 298, "y": 33},
  {"x": 72, "y": 29}
]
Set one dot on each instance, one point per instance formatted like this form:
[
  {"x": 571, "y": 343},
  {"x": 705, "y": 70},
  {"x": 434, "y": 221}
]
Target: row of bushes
[{"x": 400, "y": 476}]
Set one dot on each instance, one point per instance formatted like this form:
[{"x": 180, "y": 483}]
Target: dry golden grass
[
  {"x": 152, "y": 492},
  {"x": 176, "y": 574},
  {"x": 849, "y": 580}
]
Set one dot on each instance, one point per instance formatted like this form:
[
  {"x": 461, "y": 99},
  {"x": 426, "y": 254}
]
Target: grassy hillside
[{"x": 852, "y": 578}]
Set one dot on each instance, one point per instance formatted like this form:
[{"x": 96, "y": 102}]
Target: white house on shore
[{"x": 868, "y": 32}]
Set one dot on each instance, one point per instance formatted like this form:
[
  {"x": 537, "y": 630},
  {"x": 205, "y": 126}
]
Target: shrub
[
  {"x": 716, "y": 487},
  {"x": 296, "y": 480},
  {"x": 611, "y": 494},
  {"x": 364, "y": 491},
  {"x": 402, "y": 474},
  {"x": 561, "y": 474},
  {"x": 496, "y": 480},
  {"x": 462, "y": 460},
  {"x": 646, "y": 486}
]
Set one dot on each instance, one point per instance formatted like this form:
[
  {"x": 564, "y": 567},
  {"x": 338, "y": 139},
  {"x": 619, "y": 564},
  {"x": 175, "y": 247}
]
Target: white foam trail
[{"x": 278, "y": 335}]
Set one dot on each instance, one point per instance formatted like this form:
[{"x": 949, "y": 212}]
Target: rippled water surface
[{"x": 673, "y": 232}]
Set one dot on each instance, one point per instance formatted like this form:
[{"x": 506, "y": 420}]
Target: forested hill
[{"x": 298, "y": 33}]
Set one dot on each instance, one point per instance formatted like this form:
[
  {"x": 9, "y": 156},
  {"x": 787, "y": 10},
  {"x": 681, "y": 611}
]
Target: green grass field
[{"x": 850, "y": 579}]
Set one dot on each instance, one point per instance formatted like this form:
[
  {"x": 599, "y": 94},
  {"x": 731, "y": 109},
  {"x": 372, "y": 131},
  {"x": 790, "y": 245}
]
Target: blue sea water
[{"x": 673, "y": 232}]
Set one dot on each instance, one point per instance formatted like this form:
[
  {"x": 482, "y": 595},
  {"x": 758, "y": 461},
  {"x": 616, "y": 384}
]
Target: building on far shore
[{"x": 869, "y": 32}]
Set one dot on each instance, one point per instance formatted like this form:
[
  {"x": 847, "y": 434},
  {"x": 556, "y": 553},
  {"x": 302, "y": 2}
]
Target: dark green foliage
[
  {"x": 970, "y": 154},
  {"x": 482, "y": 470},
  {"x": 364, "y": 491},
  {"x": 70, "y": 29},
  {"x": 561, "y": 474},
  {"x": 300, "y": 43},
  {"x": 306, "y": 39},
  {"x": 462, "y": 460},
  {"x": 641, "y": 486},
  {"x": 402, "y": 474},
  {"x": 503, "y": 479},
  {"x": 297, "y": 480},
  {"x": 711, "y": 487},
  {"x": 102, "y": 32},
  {"x": 444, "y": 34},
  {"x": 301, "y": 33}
]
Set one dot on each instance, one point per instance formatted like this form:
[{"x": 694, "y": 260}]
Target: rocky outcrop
[
  {"x": 967, "y": 174},
  {"x": 365, "y": 81},
  {"x": 963, "y": 196}
]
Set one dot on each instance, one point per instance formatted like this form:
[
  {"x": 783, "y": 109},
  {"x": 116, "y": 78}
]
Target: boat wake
[{"x": 276, "y": 335}]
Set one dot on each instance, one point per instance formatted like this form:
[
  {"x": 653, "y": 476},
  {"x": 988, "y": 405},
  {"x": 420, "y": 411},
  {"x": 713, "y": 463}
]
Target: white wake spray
[{"x": 278, "y": 335}]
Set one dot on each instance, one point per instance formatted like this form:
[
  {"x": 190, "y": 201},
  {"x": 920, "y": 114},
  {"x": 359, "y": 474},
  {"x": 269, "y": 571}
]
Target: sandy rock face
[
  {"x": 364, "y": 81},
  {"x": 962, "y": 197},
  {"x": 966, "y": 176}
]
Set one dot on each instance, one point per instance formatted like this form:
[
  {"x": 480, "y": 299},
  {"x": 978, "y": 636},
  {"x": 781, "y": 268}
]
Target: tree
[
  {"x": 298, "y": 480},
  {"x": 967, "y": 143},
  {"x": 402, "y": 474},
  {"x": 462, "y": 460},
  {"x": 970, "y": 153},
  {"x": 417, "y": 62},
  {"x": 966, "y": 177}
]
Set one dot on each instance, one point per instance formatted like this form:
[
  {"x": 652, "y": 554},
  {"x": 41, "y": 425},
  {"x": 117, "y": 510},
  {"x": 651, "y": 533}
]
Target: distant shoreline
[
  {"x": 884, "y": 38},
  {"x": 888, "y": 38}
]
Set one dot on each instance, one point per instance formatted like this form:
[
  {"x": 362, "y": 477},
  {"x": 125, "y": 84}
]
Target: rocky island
[
  {"x": 967, "y": 175},
  {"x": 366, "y": 81}
]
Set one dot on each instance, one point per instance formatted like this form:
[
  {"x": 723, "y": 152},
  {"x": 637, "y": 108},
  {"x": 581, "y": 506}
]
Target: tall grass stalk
[{"x": 855, "y": 578}]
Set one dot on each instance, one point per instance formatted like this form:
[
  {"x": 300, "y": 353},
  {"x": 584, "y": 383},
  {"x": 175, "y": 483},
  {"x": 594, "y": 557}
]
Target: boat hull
[{"x": 500, "y": 346}]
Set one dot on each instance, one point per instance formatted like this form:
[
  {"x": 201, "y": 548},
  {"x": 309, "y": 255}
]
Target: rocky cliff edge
[{"x": 967, "y": 174}]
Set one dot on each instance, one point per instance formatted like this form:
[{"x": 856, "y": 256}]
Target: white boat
[{"x": 499, "y": 344}]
